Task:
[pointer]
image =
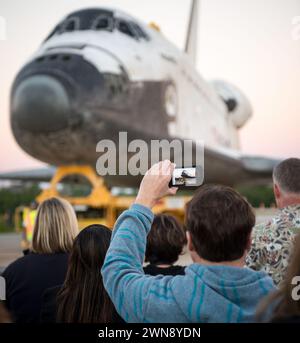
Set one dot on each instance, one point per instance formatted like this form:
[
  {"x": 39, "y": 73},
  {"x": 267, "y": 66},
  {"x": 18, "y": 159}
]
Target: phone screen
[{"x": 187, "y": 177}]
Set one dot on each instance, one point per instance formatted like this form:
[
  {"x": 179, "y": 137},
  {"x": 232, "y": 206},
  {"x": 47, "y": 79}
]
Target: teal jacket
[{"x": 204, "y": 294}]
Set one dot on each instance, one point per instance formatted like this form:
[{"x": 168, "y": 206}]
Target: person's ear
[
  {"x": 277, "y": 192},
  {"x": 189, "y": 242},
  {"x": 249, "y": 243}
]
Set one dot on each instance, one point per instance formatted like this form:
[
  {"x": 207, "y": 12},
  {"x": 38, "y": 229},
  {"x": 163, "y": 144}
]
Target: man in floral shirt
[{"x": 272, "y": 242}]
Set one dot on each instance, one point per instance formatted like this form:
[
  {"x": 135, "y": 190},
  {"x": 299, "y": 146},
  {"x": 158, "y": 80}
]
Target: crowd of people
[{"x": 240, "y": 272}]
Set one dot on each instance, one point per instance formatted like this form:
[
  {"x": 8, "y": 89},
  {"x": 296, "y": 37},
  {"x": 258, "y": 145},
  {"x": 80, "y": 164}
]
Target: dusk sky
[{"x": 248, "y": 43}]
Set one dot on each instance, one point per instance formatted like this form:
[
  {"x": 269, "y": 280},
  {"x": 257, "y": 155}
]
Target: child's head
[
  {"x": 219, "y": 223},
  {"x": 165, "y": 240}
]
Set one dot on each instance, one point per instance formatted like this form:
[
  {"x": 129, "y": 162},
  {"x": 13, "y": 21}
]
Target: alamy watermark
[
  {"x": 2, "y": 289},
  {"x": 296, "y": 28},
  {"x": 296, "y": 289},
  {"x": 3, "y": 33},
  {"x": 137, "y": 156}
]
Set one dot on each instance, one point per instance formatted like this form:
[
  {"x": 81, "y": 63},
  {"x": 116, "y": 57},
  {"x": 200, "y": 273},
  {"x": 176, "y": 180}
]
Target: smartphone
[{"x": 187, "y": 177}]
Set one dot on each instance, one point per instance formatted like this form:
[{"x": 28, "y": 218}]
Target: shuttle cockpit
[{"x": 100, "y": 20}]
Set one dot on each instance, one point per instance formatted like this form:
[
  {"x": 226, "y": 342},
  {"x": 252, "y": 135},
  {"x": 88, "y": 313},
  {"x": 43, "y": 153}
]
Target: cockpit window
[
  {"x": 125, "y": 28},
  {"x": 98, "y": 19},
  {"x": 104, "y": 22},
  {"x": 139, "y": 31},
  {"x": 71, "y": 24}
]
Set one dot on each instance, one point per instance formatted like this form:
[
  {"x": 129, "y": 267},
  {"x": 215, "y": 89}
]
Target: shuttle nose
[{"x": 40, "y": 103}]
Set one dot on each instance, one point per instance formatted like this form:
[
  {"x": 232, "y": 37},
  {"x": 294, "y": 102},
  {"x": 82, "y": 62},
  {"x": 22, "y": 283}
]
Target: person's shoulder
[
  {"x": 266, "y": 230},
  {"x": 194, "y": 269},
  {"x": 17, "y": 264},
  {"x": 263, "y": 279},
  {"x": 33, "y": 259},
  {"x": 278, "y": 228},
  {"x": 51, "y": 258},
  {"x": 260, "y": 275},
  {"x": 61, "y": 255},
  {"x": 264, "y": 226}
]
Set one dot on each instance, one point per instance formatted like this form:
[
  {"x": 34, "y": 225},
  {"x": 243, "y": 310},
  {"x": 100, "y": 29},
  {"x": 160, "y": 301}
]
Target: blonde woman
[{"x": 28, "y": 277}]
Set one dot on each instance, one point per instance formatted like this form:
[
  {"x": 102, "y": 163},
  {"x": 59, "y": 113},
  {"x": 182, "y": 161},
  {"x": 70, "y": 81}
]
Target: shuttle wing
[
  {"x": 219, "y": 167},
  {"x": 258, "y": 164},
  {"x": 236, "y": 169}
]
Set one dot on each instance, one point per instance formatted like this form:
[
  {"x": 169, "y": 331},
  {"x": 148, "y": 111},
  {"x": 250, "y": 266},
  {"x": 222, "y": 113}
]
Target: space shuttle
[{"x": 101, "y": 72}]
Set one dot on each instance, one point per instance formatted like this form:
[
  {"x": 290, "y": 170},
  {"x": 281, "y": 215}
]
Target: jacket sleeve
[{"x": 122, "y": 271}]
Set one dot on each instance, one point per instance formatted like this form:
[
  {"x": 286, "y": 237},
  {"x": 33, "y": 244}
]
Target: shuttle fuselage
[{"x": 101, "y": 72}]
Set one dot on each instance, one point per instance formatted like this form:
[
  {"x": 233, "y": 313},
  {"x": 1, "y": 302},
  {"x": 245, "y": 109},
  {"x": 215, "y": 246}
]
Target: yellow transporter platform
[{"x": 100, "y": 205}]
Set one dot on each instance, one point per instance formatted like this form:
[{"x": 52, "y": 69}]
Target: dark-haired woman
[
  {"x": 283, "y": 306},
  {"x": 165, "y": 243},
  {"x": 82, "y": 298}
]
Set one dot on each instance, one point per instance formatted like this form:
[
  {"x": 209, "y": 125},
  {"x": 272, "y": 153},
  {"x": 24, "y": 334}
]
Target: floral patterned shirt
[{"x": 272, "y": 243}]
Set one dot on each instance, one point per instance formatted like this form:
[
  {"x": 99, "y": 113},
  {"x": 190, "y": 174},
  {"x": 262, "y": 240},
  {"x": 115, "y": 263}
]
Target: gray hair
[{"x": 287, "y": 175}]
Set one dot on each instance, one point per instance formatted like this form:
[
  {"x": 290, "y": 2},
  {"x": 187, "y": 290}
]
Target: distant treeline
[
  {"x": 10, "y": 198},
  {"x": 258, "y": 196}
]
